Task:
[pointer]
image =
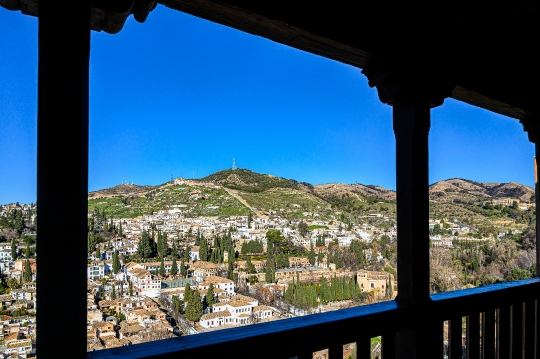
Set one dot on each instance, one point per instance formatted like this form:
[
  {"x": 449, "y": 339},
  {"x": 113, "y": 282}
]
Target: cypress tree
[
  {"x": 120, "y": 232},
  {"x": 115, "y": 262},
  {"x": 121, "y": 289},
  {"x": 203, "y": 249},
  {"x": 13, "y": 250},
  {"x": 183, "y": 269},
  {"x": 320, "y": 258},
  {"x": 27, "y": 274},
  {"x": 230, "y": 268},
  {"x": 311, "y": 254},
  {"x": 113, "y": 293},
  {"x": 145, "y": 247},
  {"x": 153, "y": 245},
  {"x": 162, "y": 268},
  {"x": 174, "y": 249},
  {"x": 249, "y": 266},
  {"x": 270, "y": 271},
  {"x": 186, "y": 254},
  {"x": 194, "y": 309},
  {"x": 210, "y": 297},
  {"x": 174, "y": 267},
  {"x": 187, "y": 293},
  {"x": 98, "y": 253},
  {"x": 130, "y": 289},
  {"x": 390, "y": 288}
]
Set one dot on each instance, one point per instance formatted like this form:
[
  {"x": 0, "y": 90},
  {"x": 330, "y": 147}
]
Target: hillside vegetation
[
  {"x": 192, "y": 200},
  {"x": 249, "y": 181},
  {"x": 457, "y": 199}
]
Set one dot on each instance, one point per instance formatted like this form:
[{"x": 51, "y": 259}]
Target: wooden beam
[{"x": 62, "y": 175}]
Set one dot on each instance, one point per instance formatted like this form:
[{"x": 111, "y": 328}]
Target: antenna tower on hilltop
[
  {"x": 233, "y": 164},
  {"x": 171, "y": 177}
]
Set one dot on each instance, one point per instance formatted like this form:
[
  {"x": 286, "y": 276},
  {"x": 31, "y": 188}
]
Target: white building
[{"x": 239, "y": 310}]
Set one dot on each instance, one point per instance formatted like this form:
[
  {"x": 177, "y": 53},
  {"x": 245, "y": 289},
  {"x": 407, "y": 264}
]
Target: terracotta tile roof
[
  {"x": 215, "y": 279},
  {"x": 204, "y": 265},
  {"x": 261, "y": 307},
  {"x": 132, "y": 329},
  {"x": 241, "y": 297},
  {"x": 239, "y": 303},
  {"x": 215, "y": 315}
]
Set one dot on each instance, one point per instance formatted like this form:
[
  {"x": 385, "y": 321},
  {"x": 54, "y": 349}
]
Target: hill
[
  {"x": 249, "y": 181},
  {"x": 236, "y": 192},
  {"x": 192, "y": 199},
  {"x": 468, "y": 191},
  {"x": 121, "y": 190}
]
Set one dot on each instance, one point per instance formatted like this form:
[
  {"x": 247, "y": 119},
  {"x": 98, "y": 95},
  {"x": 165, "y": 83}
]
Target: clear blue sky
[{"x": 179, "y": 94}]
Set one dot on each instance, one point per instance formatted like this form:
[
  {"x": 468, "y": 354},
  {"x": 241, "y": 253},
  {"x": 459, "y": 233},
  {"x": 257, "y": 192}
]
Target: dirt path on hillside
[{"x": 235, "y": 195}]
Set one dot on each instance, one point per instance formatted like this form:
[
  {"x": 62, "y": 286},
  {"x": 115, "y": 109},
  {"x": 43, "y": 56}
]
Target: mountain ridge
[{"x": 244, "y": 180}]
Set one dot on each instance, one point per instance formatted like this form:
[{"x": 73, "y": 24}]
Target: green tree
[
  {"x": 311, "y": 254},
  {"x": 145, "y": 248},
  {"x": 183, "y": 269},
  {"x": 187, "y": 293},
  {"x": 115, "y": 262},
  {"x": 210, "y": 297},
  {"x": 162, "y": 246},
  {"x": 186, "y": 254},
  {"x": 162, "y": 268},
  {"x": 203, "y": 249},
  {"x": 113, "y": 293},
  {"x": 249, "y": 266},
  {"x": 13, "y": 250},
  {"x": 27, "y": 274},
  {"x": 120, "y": 231},
  {"x": 303, "y": 228},
  {"x": 98, "y": 253},
  {"x": 230, "y": 264},
  {"x": 130, "y": 289},
  {"x": 320, "y": 257},
  {"x": 270, "y": 271},
  {"x": 174, "y": 267},
  {"x": 194, "y": 309},
  {"x": 250, "y": 219}
]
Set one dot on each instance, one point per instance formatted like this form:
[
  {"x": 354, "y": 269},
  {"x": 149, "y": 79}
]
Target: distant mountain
[
  {"x": 249, "y": 181},
  {"x": 466, "y": 190},
  {"x": 234, "y": 192},
  {"x": 358, "y": 190},
  {"x": 121, "y": 190}
]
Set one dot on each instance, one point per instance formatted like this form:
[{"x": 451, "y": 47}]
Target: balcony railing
[{"x": 500, "y": 322}]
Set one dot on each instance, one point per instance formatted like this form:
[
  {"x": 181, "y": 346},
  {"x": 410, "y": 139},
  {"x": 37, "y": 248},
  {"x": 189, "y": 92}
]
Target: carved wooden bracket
[
  {"x": 532, "y": 127},
  {"x": 106, "y": 15},
  {"x": 400, "y": 84}
]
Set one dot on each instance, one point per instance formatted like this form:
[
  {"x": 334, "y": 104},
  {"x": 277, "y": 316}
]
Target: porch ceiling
[{"x": 487, "y": 52}]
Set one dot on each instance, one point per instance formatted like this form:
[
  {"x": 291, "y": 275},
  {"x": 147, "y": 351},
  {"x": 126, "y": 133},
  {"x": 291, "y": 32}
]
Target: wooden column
[
  {"x": 412, "y": 93},
  {"x": 411, "y": 119},
  {"x": 532, "y": 127},
  {"x": 62, "y": 177}
]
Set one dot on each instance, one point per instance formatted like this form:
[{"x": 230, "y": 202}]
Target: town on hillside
[{"x": 239, "y": 248}]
